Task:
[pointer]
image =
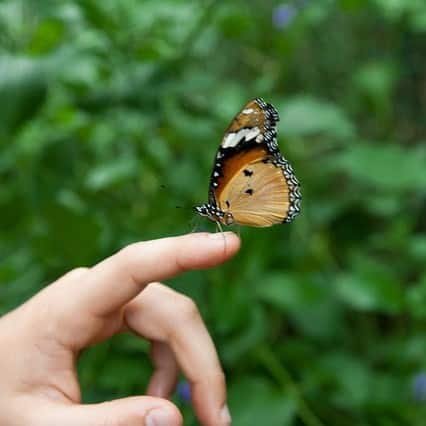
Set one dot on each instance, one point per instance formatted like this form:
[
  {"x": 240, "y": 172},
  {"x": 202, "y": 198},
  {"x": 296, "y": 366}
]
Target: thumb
[{"x": 133, "y": 411}]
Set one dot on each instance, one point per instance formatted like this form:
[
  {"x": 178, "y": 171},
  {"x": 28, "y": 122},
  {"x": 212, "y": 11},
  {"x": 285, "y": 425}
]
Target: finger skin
[
  {"x": 164, "y": 378},
  {"x": 131, "y": 411},
  {"x": 185, "y": 333},
  {"x": 112, "y": 283}
]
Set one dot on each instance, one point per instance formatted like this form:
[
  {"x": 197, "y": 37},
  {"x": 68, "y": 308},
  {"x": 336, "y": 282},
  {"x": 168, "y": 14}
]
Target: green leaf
[
  {"x": 261, "y": 404},
  {"x": 307, "y": 116},
  {"x": 370, "y": 286},
  {"x": 387, "y": 167},
  {"x": 248, "y": 337},
  {"x": 23, "y": 90},
  {"x": 393, "y": 9},
  {"x": 308, "y": 303},
  {"x": 417, "y": 247},
  {"x": 290, "y": 292},
  {"x": 352, "y": 378},
  {"x": 376, "y": 81},
  {"x": 416, "y": 299},
  {"x": 110, "y": 174}
]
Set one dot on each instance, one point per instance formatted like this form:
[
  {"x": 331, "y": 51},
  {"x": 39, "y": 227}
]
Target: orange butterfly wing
[
  {"x": 252, "y": 183},
  {"x": 256, "y": 192}
]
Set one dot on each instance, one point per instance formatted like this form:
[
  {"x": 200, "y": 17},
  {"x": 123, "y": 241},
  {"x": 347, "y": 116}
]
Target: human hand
[{"x": 41, "y": 340}]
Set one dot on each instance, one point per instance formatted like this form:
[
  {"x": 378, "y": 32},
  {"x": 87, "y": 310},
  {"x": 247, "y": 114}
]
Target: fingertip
[
  {"x": 145, "y": 410},
  {"x": 167, "y": 415},
  {"x": 229, "y": 241},
  {"x": 234, "y": 241}
]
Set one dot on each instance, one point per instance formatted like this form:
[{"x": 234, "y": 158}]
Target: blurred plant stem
[{"x": 283, "y": 377}]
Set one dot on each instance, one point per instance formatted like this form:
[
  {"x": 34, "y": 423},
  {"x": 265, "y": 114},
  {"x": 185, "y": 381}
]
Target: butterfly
[{"x": 251, "y": 183}]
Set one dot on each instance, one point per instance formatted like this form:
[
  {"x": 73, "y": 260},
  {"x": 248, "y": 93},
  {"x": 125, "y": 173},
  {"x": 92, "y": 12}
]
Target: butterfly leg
[{"x": 219, "y": 227}]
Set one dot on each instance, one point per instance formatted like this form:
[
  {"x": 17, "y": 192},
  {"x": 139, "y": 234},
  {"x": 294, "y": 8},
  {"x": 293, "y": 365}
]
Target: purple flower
[
  {"x": 419, "y": 387},
  {"x": 183, "y": 391},
  {"x": 283, "y": 15}
]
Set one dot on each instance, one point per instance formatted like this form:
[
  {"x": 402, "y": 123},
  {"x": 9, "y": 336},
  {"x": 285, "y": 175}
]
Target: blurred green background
[{"x": 110, "y": 114}]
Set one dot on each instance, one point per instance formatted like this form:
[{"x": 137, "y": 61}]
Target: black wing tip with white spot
[{"x": 270, "y": 111}]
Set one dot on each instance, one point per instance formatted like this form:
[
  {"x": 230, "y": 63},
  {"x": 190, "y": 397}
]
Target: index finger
[{"x": 115, "y": 281}]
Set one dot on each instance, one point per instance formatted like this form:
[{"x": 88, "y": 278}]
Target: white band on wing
[{"x": 233, "y": 139}]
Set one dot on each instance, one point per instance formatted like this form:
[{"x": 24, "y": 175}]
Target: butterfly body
[{"x": 252, "y": 184}]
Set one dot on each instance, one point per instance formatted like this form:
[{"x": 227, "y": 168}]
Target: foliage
[{"x": 110, "y": 116}]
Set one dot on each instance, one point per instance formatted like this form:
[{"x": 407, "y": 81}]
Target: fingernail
[
  {"x": 225, "y": 416},
  {"x": 220, "y": 235},
  {"x": 159, "y": 417}
]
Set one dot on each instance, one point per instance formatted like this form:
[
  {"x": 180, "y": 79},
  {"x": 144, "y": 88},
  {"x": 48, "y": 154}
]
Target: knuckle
[
  {"x": 215, "y": 378},
  {"x": 161, "y": 290},
  {"x": 220, "y": 378},
  {"x": 76, "y": 272},
  {"x": 79, "y": 270},
  {"x": 186, "y": 308},
  {"x": 128, "y": 252}
]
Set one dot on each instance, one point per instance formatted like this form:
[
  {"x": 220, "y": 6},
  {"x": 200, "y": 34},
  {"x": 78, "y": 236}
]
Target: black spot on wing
[
  {"x": 249, "y": 191},
  {"x": 248, "y": 172}
]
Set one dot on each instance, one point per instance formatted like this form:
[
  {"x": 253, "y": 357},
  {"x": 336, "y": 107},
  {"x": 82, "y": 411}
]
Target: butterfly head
[{"x": 215, "y": 214}]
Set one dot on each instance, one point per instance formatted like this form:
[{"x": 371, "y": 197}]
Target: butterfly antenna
[{"x": 166, "y": 188}]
